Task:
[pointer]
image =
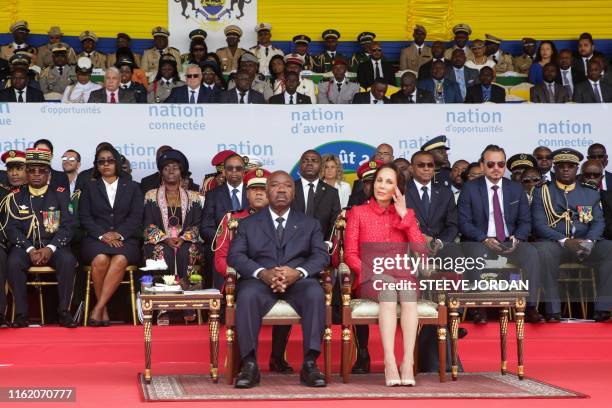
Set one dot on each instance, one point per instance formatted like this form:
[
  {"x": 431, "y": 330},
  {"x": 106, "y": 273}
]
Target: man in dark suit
[
  {"x": 56, "y": 178},
  {"x": 567, "y": 74},
  {"x": 20, "y": 91},
  {"x": 437, "y": 53},
  {"x": 593, "y": 90},
  {"x": 549, "y": 91},
  {"x": 242, "y": 93},
  {"x": 278, "y": 253},
  {"x": 494, "y": 219},
  {"x": 375, "y": 68},
  {"x": 486, "y": 91},
  {"x": 586, "y": 51},
  {"x": 290, "y": 96},
  {"x": 126, "y": 68},
  {"x": 458, "y": 72},
  {"x": 597, "y": 151},
  {"x": 193, "y": 91},
  {"x": 409, "y": 92},
  {"x": 443, "y": 90},
  {"x": 112, "y": 93},
  {"x": 375, "y": 96}
]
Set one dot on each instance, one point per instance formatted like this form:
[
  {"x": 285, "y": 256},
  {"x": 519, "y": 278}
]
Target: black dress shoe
[
  {"x": 553, "y": 318},
  {"x": 480, "y": 316},
  {"x": 249, "y": 375},
  {"x": 280, "y": 365},
  {"x": 532, "y": 316},
  {"x": 462, "y": 332},
  {"x": 311, "y": 376},
  {"x": 65, "y": 320},
  {"x": 362, "y": 364},
  {"x": 20, "y": 322},
  {"x": 601, "y": 316}
]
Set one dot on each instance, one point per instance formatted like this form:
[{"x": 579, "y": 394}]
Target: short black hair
[
  {"x": 491, "y": 148},
  {"x": 231, "y": 156},
  {"x": 380, "y": 81},
  {"x": 420, "y": 153},
  {"x": 78, "y": 155},
  {"x": 116, "y": 156},
  {"x": 595, "y": 146},
  {"x": 310, "y": 151},
  {"x": 44, "y": 141},
  {"x": 586, "y": 36}
]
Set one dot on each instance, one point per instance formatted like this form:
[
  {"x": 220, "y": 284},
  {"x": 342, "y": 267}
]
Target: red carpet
[{"x": 103, "y": 363}]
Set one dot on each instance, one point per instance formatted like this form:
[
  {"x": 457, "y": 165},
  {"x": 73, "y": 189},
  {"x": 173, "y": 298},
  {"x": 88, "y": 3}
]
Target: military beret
[
  {"x": 294, "y": 59},
  {"x": 263, "y": 27},
  {"x": 331, "y": 33},
  {"x": 88, "y": 35},
  {"x": 84, "y": 65},
  {"x": 55, "y": 30},
  {"x": 176, "y": 156},
  {"x": 219, "y": 158},
  {"x": 521, "y": 161},
  {"x": 13, "y": 156},
  {"x": 232, "y": 31},
  {"x": 567, "y": 156},
  {"x": 420, "y": 28},
  {"x": 529, "y": 41},
  {"x": 19, "y": 26},
  {"x": 301, "y": 39},
  {"x": 256, "y": 178},
  {"x": 162, "y": 31},
  {"x": 366, "y": 37},
  {"x": 38, "y": 156},
  {"x": 492, "y": 39},
  {"x": 462, "y": 28},
  {"x": 248, "y": 57},
  {"x": 59, "y": 47},
  {"x": 198, "y": 34},
  {"x": 367, "y": 169},
  {"x": 438, "y": 142}
]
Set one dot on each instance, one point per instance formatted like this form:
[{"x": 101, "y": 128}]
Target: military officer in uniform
[
  {"x": 123, "y": 41},
  {"x": 301, "y": 43},
  {"x": 264, "y": 50},
  {"x": 519, "y": 163},
  {"x": 568, "y": 218},
  {"x": 151, "y": 56},
  {"x": 502, "y": 60},
  {"x": 45, "y": 52},
  {"x": 523, "y": 62},
  {"x": 40, "y": 227},
  {"x": 20, "y": 32},
  {"x": 216, "y": 179},
  {"x": 325, "y": 61},
  {"x": 438, "y": 147},
  {"x": 166, "y": 80},
  {"x": 89, "y": 40},
  {"x": 417, "y": 53},
  {"x": 126, "y": 68},
  {"x": 338, "y": 89},
  {"x": 230, "y": 55},
  {"x": 22, "y": 59},
  {"x": 365, "y": 39},
  {"x": 55, "y": 78},
  {"x": 196, "y": 36},
  {"x": 462, "y": 34}
]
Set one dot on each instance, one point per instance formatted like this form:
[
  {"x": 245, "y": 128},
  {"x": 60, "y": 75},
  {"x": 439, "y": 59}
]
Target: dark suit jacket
[
  {"x": 583, "y": 92},
  {"x": 470, "y": 75},
  {"x": 365, "y": 73},
  {"x": 474, "y": 94},
  {"x": 59, "y": 179},
  {"x": 99, "y": 96},
  {"x": 578, "y": 66},
  {"x": 180, "y": 94},
  {"x": 218, "y": 203},
  {"x": 363, "y": 98},
  {"x": 326, "y": 204},
  {"x": 606, "y": 205},
  {"x": 140, "y": 92},
  {"x": 608, "y": 177},
  {"x": 231, "y": 96},
  {"x": 422, "y": 96},
  {"x": 98, "y": 217},
  {"x": 32, "y": 95},
  {"x": 539, "y": 94},
  {"x": 256, "y": 246},
  {"x": 576, "y": 76},
  {"x": 452, "y": 93},
  {"x": 473, "y": 210},
  {"x": 441, "y": 222},
  {"x": 425, "y": 70},
  {"x": 299, "y": 98}
]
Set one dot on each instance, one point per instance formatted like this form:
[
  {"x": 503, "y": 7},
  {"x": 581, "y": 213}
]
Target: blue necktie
[
  {"x": 486, "y": 94},
  {"x": 461, "y": 81},
  {"x": 235, "y": 201},
  {"x": 425, "y": 201},
  {"x": 192, "y": 97}
]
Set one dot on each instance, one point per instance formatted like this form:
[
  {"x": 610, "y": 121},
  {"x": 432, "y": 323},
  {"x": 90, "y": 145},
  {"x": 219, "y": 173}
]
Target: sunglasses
[
  {"x": 191, "y": 76},
  {"x": 598, "y": 156},
  {"x": 234, "y": 168},
  {"x": 104, "y": 162},
  {"x": 376, "y": 49},
  {"x": 70, "y": 159},
  {"x": 37, "y": 170},
  {"x": 531, "y": 180},
  {"x": 590, "y": 175},
  {"x": 500, "y": 164},
  {"x": 549, "y": 157},
  {"x": 429, "y": 165}
]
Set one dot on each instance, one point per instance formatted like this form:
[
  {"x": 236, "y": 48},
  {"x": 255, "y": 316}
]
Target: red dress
[{"x": 376, "y": 232}]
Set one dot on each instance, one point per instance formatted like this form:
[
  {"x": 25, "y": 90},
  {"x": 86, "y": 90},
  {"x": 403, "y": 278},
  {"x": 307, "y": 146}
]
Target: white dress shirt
[
  {"x": 491, "y": 229},
  {"x": 419, "y": 187},
  {"x": 111, "y": 191},
  {"x": 239, "y": 193},
  {"x": 306, "y": 187},
  {"x": 344, "y": 192},
  {"x": 195, "y": 94},
  {"x": 288, "y": 98},
  {"x": 374, "y": 62},
  {"x": 547, "y": 176},
  {"x": 108, "y": 96},
  {"x": 246, "y": 96},
  {"x": 23, "y": 94},
  {"x": 372, "y": 99},
  {"x": 568, "y": 75}
]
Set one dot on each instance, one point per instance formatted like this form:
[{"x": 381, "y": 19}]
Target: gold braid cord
[
  {"x": 33, "y": 231},
  {"x": 552, "y": 216},
  {"x": 213, "y": 245}
]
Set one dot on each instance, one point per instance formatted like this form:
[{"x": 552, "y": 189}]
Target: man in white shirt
[{"x": 71, "y": 163}]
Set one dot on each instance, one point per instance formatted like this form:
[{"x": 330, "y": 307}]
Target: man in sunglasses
[
  {"x": 568, "y": 218},
  {"x": 597, "y": 151},
  {"x": 543, "y": 158},
  {"x": 494, "y": 220},
  {"x": 40, "y": 229},
  {"x": 438, "y": 147},
  {"x": 71, "y": 163},
  {"x": 375, "y": 68},
  {"x": 193, "y": 92}
]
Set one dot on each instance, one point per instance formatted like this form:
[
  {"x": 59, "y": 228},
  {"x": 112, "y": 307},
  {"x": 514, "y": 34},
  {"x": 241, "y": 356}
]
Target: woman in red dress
[{"x": 381, "y": 229}]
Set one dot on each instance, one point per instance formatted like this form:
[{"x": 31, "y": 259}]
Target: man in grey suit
[
  {"x": 593, "y": 90},
  {"x": 548, "y": 91},
  {"x": 111, "y": 93},
  {"x": 338, "y": 89},
  {"x": 458, "y": 72},
  {"x": 242, "y": 93}
]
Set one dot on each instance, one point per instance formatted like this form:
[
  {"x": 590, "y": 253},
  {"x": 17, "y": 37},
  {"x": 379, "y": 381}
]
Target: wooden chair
[
  {"x": 584, "y": 274},
  {"x": 281, "y": 314},
  {"x": 362, "y": 311},
  {"x": 130, "y": 269}
]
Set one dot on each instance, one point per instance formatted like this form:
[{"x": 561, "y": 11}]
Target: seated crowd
[
  {"x": 465, "y": 72},
  {"x": 554, "y": 208}
]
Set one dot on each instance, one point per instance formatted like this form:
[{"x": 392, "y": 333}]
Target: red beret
[
  {"x": 13, "y": 156},
  {"x": 368, "y": 169},
  {"x": 220, "y": 157},
  {"x": 256, "y": 178}
]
